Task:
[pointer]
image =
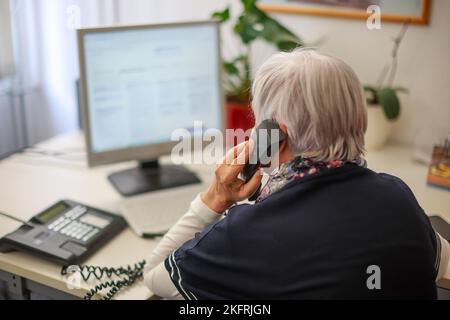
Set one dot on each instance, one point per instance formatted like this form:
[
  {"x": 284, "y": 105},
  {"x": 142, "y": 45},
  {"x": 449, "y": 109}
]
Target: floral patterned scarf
[{"x": 299, "y": 168}]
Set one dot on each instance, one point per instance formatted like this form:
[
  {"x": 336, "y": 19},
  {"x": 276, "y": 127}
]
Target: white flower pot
[{"x": 378, "y": 129}]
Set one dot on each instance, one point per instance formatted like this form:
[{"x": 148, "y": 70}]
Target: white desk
[{"x": 31, "y": 183}]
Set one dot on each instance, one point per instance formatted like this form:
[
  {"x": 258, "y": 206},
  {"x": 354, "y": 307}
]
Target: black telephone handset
[{"x": 262, "y": 136}]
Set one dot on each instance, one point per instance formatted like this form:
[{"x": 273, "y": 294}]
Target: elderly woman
[{"x": 323, "y": 227}]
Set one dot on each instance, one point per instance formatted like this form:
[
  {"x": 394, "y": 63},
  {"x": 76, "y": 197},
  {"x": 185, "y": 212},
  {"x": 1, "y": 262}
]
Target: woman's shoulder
[
  {"x": 395, "y": 184},
  {"x": 342, "y": 184}
]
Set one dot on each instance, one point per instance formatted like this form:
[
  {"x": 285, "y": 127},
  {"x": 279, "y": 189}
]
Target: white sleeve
[
  {"x": 156, "y": 277},
  {"x": 442, "y": 257}
]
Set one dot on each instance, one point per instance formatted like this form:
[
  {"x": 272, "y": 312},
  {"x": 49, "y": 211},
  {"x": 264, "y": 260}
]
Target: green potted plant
[
  {"x": 383, "y": 103},
  {"x": 251, "y": 24}
]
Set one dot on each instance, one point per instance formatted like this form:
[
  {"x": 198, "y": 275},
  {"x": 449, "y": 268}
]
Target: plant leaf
[
  {"x": 245, "y": 28},
  {"x": 287, "y": 45},
  {"x": 278, "y": 33},
  {"x": 249, "y": 5},
  {"x": 231, "y": 68},
  {"x": 273, "y": 34},
  {"x": 222, "y": 16},
  {"x": 373, "y": 99},
  {"x": 388, "y": 99},
  {"x": 253, "y": 24}
]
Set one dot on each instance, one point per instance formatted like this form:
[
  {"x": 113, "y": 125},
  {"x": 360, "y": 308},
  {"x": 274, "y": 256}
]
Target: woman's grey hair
[{"x": 320, "y": 100}]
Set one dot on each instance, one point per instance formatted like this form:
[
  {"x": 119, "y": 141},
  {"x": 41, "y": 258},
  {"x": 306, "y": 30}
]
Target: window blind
[{"x": 6, "y": 45}]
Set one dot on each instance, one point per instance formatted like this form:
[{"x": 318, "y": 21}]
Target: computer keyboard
[{"x": 154, "y": 213}]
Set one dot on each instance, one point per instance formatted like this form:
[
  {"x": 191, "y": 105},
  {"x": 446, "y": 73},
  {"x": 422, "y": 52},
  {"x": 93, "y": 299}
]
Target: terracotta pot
[
  {"x": 379, "y": 128},
  {"x": 239, "y": 115}
]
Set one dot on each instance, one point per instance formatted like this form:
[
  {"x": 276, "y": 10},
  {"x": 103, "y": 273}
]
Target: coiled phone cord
[{"x": 129, "y": 275}]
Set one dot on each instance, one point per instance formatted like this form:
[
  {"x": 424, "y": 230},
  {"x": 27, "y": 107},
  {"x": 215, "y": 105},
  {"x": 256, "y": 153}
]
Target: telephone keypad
[{"x": 69, "y": 225}]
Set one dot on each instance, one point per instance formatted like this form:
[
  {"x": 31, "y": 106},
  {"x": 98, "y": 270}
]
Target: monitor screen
[{"x": 143, "y": 83}]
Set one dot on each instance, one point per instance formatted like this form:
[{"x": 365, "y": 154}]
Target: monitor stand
[{"x": 151, "y": 176}]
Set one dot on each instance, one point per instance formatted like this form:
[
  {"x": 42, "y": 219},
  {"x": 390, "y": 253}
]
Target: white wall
[
  {"x": 424, "y": 65},
  {"x": 424, "y": 58}
]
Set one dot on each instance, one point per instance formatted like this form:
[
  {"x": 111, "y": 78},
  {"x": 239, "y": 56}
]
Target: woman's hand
[{"x": 226, "y": 188}]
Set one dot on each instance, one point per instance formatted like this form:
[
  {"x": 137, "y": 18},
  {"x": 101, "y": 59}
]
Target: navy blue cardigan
[{"x": 315, "y": 239}]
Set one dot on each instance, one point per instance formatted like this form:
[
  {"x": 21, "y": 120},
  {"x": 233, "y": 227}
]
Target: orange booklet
[{"x": 439, "y": 173}]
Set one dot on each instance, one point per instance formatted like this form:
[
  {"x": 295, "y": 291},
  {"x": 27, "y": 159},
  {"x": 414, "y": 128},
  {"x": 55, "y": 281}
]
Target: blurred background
[{"x": 38, "y": 99}]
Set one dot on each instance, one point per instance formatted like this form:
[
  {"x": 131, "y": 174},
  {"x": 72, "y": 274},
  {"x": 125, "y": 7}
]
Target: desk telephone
[{"x": 65, "y": 233}]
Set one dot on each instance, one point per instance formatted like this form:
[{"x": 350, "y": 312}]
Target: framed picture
[{"x": 414, "y": 11}]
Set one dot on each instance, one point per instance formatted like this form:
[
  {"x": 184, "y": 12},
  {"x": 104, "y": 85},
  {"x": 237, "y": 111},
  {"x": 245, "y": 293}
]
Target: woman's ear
[
  {"x": 284, "y": 144},
  {"x": 285, "y": 152},
  {"x": 283, "y": 128}
]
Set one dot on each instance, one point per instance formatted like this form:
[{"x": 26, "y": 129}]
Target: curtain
[
  {"x": 42, "y": 97},
  {"x": 6, "y": 45},
  {"x": 47, "y": 51}
]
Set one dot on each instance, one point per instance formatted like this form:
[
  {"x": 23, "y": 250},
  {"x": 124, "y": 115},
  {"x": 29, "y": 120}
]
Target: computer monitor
[{"x": 138, "y": 85}]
